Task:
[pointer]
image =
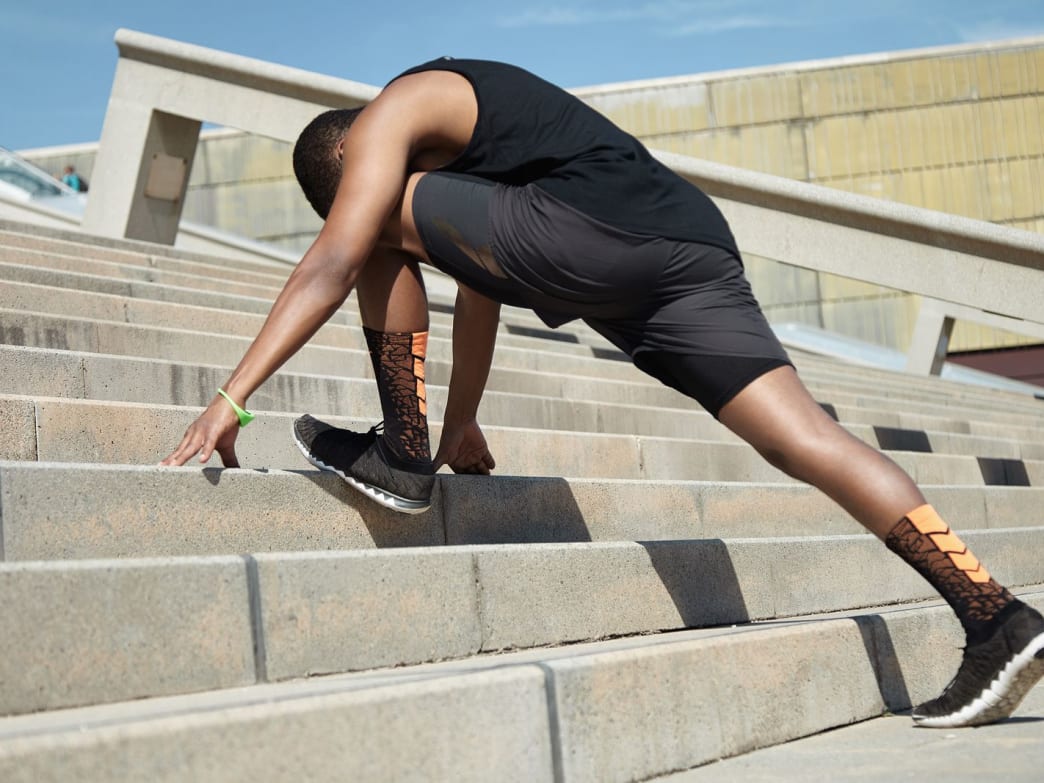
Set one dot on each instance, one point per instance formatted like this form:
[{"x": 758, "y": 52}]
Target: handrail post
[
  {"x": 141, "y": 173},
  {"x": 931, "y": 339}
]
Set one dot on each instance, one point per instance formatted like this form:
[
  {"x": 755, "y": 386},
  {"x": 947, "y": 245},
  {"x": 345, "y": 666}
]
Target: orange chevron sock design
[
  {"x": 928, "y": 522},
  {"x": 419, "y": 350},
  {"x": 927, "y": 543}
]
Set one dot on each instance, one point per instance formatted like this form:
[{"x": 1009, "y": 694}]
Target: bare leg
[
  {"x": 394, "y": 310},
  {"x": 779, "y": 418},
  {"x": 1004, "y": 656},
  {"x": 391, "y": 293}
]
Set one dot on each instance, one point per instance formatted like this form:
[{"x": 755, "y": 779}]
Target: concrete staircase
[{"x": 635, "y": 593}]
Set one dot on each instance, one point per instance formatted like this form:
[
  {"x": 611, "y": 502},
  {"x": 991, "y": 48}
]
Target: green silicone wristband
[{"x": 245, "y": 417}]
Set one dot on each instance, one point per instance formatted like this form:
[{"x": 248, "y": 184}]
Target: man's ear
[{"x": 340, "y": 148}]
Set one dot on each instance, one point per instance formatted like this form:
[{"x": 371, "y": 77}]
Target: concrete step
[
  {"x": 84, "y": 375},
  {"x": 205, "y": 345},
  {"x": 145, "y": 273},
  {"x": 73, "y": 242},
  {"x": 132, "y": 265},
  {"x": 40, "y": 330},
  {"x": 937, "y": 404},
  {"x": 75, "y": 511},
  {"x": 343, "y": 331},
  {"x": 25, "y": 287},
  {"x": 266, "y": 286},
  {"x": 863, "y": 378},
  {"x": 49, "y": 429},
  {"x": 55, "y": 373},
  {"x": 622, "y": 710},
  {"x": 157, "y": 627},
  {"x": 138, "y": 289},
  {"x": 885, "y": 417}
]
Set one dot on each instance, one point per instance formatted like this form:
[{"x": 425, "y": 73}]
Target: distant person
[
  {"x": 74, "y": 180},
  {"x": 527, "y": 196}
]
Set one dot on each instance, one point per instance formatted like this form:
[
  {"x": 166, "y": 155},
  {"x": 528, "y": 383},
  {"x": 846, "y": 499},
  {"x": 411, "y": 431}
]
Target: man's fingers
[{"x": 183, "y": 453}]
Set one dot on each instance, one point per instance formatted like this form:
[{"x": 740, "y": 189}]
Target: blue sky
[{"x": 58, "y": 57}]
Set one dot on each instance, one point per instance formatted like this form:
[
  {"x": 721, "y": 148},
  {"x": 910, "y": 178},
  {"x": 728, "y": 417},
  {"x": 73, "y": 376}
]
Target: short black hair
[{"x": 316, "y": 164}]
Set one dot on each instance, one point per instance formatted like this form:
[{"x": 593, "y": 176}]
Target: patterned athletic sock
[
  {"x": 925, "y": 541},
  {"x": 398, "y": 363}
]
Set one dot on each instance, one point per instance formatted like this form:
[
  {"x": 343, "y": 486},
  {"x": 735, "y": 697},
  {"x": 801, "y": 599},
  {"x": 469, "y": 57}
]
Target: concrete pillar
[
  {"x": 931, "y": 339},
  {"x": 141, "y": 172}
]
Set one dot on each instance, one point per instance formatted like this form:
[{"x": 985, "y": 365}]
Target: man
[
  {"x": 528, "y": 197},
  {"x": 71, "y": 178}
]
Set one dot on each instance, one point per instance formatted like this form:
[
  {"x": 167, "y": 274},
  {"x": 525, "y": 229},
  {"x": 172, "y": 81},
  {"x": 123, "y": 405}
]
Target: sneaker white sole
[
  {"x": 1002, "y": 696},
  {"x": 384, "y": 498}
]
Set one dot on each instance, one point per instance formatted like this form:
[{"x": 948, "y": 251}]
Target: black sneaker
[
  {"x": 994, "y": 677},
  {"x": 364, "y": 461}
]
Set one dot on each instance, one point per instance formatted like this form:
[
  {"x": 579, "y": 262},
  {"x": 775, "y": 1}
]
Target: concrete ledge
[
  {"x": 630, "y": 715},
  {"x": 198, "y": 347},
  {"x": 47, "y": 238},
  {"x": 339, "y": 612},
  {"x": 341, "y": 331},
  {"x": 133, "y": 273},
  {"x": 65, "y": 511},
  {"x": 138, "y": 289},
  {"x": 188, "y": 624},
  {"x": 133, "y": 265},
  {"x": 487, "y": 726},
  {"x": 242, "y": 71},
  {"x": 619, "y": 710},
  {"x": 88, "y": 632},
  {"x": 56, "y": 373},
  {"x": 55, "y": 511},
  {"x": 62, "y": 430},
  {"x": 590, "y": 591}
]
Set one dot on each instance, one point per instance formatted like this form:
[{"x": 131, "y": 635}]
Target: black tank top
[{"x": 531, "y": 132}]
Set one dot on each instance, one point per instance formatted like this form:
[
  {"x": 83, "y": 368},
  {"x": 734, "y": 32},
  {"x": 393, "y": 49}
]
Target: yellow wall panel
[
  {"x": 828, "y": 92},
  {"x": 999, "y": 191},
  {"x": 1008, "y": 73},
  {"x": 1025, "y": 187},
  {"x": 828, "y": 147},
  {"x": 889, "y": 141},
  {"x": 755, "y": 100},
  {"x": 921, "y": 78},
  {"x": 937, "y": 138},
  {"x": 656, "y": 109},
  {"x": 910, "y": 127},
  {"x": 1013, "y": 72},
  {"x": 908, "y": 188}
]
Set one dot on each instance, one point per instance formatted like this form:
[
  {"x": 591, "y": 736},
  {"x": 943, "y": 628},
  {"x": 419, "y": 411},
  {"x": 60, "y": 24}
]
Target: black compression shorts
[{"x": 682, "y": 311}]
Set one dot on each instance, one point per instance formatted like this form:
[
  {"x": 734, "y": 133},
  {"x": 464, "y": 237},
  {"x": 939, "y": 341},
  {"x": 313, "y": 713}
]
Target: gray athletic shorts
[{"x": 683, "y": 311}]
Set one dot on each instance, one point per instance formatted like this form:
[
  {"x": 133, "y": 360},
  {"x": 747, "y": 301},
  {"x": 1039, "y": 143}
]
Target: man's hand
[
  {"x": 215, "y": 430},
  {"x": 463, "y": 448}
]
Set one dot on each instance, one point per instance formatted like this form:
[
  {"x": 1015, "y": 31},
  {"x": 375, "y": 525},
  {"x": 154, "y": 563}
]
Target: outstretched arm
[
  {"x": 312, "y": 293},
  {"x": 462, "y": 445},
  {"x": 407, "y": 119}
]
